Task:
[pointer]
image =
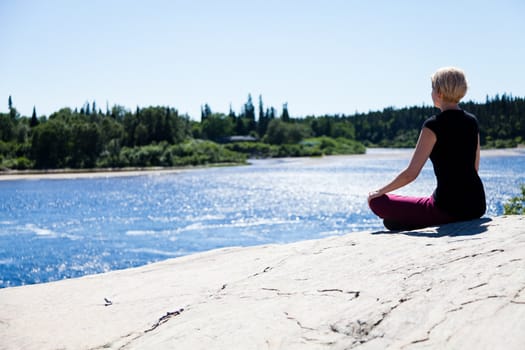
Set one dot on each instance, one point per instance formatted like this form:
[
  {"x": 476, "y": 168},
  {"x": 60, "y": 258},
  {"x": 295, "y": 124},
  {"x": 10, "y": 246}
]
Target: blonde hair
[{"x": 451, "y": 83}]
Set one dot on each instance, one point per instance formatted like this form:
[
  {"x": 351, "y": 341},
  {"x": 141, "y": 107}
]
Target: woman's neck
[{"x": 445, "y": 106}]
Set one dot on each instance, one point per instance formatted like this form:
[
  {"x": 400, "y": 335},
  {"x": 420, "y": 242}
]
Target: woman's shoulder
[
  {"x": 469, "y": 115},
  {"x": 430, "y": 120}
]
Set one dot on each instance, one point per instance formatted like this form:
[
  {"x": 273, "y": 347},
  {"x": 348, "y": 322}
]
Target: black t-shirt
[{"x": 459, "y": 189}]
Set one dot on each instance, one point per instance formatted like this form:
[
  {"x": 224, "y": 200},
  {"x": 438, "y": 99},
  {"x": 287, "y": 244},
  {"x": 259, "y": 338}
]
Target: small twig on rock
[{"x": 164, "y": 319}]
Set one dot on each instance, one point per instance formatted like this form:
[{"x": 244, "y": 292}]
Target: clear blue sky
[{"x": 325, "y": 56}]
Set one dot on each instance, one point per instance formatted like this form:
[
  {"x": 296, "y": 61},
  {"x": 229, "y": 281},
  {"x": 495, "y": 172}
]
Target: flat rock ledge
[{"x": 459, "y": 286}]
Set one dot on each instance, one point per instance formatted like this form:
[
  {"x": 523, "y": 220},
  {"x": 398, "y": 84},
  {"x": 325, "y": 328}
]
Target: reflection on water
[{"x": 53, "y": 229}]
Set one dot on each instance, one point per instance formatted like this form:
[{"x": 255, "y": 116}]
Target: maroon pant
[{"x": 408, "y": 213}]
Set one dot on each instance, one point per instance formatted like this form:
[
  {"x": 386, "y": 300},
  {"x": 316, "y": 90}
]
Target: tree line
[{"x": 159, "y": 136}]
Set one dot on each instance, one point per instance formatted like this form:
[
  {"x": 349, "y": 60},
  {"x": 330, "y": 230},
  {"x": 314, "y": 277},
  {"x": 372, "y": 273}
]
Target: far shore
[
  {"x": 82, "y": 173},
  {"x": 122, "y": 172}
]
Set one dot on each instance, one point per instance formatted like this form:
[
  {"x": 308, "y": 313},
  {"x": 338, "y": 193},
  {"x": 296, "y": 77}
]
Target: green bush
[
  {"x": 311, "y": 147},
  {"x": 254, "y": 149},
  {"x": 292, "y": 150},
  {"x": 199, "y": 152},
  {"x": 516, "y": 205},
  {"x": 328, "y": 146},
  {"x": 508, "y": 143},
  {"x": 20, "y": 163},
  {"x": 194, "y": 152}
]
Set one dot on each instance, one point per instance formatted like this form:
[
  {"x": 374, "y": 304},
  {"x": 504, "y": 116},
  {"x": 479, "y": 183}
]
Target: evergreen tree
[
  {"x": 239, "y": 126},
  {"x": 262, "y": 125},
  {"x": 231, "y": 113},
  {"x": 12, "y": 110},
  {"x": 285, "y": 116},
  {"x": 34, "y": 120},
  {"x": 261, "y": 108},
  {"x": 205, "y": 112},
  {"x": 271, "y": 113},
  {"x": 249, "y": 109},
  {"x": 249, "y": 114}
]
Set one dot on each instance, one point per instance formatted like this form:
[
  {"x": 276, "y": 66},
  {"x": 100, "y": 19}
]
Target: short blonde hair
[{"x": 451, "y": 83}]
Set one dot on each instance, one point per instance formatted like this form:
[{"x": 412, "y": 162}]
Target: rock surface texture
[{"x": 459, "y": 286}]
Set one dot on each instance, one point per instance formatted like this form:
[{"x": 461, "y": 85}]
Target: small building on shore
[{"x": 238, "y": 138}]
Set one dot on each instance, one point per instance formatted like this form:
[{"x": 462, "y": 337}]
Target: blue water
[{"x": 55, "y": 229}]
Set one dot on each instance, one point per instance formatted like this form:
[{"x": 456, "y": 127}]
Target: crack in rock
[
  {"x": 476, "y": 254},
  {"x": 298, "y": 322},
  {"x": 362, "y": 331},
  {"x": 459, "y": 308},
  {"x": 322, "y": 250},
  {"x": 278, "y": 292},
  {"x": 137, "y": 335},
  {"x": 356, "y": 293},
  {"x": 477, "y": 286},
  {"x": 306, "y": 293},
  {"x": 518, "y": 296},
  {"x": 430, "y": 330},
  {"x": 482, "y": 299},
  {"x": 415, "y": 274},
  {"x": 266, "y": 269},
  {"x": 426, "y": 269}
]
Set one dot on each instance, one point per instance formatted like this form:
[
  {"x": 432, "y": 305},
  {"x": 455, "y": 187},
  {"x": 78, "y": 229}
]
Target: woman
[{"x": 451, "y": 141}]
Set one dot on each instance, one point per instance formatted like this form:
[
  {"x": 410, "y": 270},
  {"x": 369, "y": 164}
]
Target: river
[{"x": 52, "y": 229}]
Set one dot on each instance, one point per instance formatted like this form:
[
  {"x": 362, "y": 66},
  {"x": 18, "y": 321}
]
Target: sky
[{"x": 318, "y": 56}]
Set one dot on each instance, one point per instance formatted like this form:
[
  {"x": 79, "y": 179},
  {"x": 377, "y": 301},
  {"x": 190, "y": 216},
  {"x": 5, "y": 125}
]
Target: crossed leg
[{"x": 408, "y": 213}]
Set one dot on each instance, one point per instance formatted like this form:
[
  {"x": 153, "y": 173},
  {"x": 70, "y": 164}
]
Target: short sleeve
[{"x": 432, "y": 124}]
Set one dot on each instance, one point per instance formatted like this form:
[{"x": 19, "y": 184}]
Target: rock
[{"x": 459, "y": 286}]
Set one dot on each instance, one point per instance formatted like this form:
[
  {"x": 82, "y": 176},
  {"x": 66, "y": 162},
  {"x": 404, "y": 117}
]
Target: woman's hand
[{"x": 374, "y": 194}]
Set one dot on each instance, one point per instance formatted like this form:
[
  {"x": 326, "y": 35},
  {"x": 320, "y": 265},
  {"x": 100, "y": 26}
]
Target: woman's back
[{"x": 459, "y": 189}]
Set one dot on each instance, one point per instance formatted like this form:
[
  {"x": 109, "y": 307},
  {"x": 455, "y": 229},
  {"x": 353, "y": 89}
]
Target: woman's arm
[{"x": 424, "y": 146}]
